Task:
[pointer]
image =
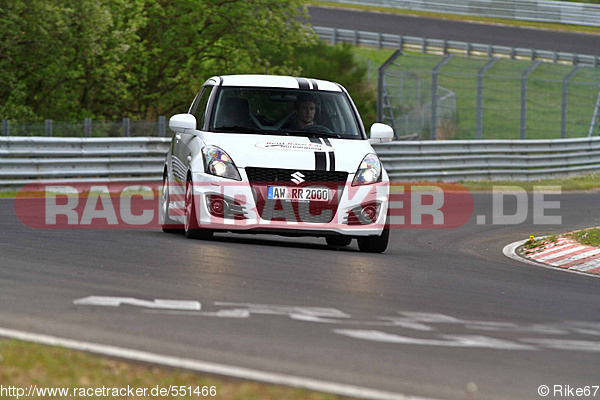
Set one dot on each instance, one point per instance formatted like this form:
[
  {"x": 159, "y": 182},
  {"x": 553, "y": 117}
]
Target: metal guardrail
[
  {"x": 519, "y": 160},
  {"x": 525, "y": 10},
  {"x": 25, "y": 160},
  {"x": 443, "y": 47}
]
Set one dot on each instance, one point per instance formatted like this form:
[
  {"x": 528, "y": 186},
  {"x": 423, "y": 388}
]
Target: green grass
[
  {"x": 590, "y": 182},
  {"x": 24, "y": 364},
  {"x": 532, "y": 244},
  {"x": 589, "y": 237}
]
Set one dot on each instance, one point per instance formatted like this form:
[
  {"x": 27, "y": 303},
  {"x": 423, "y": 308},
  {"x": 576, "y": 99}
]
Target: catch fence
[{"x": 429, "y": 97}]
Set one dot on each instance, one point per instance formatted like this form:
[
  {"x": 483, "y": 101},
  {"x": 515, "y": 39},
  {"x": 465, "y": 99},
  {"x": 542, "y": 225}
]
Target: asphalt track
[
  {"x": 475, "y": 32},
  {"x": 440, "y": 310},
  {"x": 441, "y": 314}
]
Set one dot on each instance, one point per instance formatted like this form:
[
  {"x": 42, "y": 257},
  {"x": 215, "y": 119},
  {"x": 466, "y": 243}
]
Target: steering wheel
[{"x": 321, "y": 128}]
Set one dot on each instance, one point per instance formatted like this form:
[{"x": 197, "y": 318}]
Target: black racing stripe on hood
[
  {"x": 320, "y": 161},
  {"x": 303, "y": 83},
  {"x": 331, "y": 161}
]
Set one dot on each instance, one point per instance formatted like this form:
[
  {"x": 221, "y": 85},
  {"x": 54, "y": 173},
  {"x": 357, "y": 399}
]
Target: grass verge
[
  {"x": 588, "y": 237},
  {"x": 25, "y": 364}
]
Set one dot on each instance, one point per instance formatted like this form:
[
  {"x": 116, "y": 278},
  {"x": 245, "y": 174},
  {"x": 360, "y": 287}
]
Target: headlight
[
  {"x": 218, "y": 163},
  {"x": 369, "y": 171}
]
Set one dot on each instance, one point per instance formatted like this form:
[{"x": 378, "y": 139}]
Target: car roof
[{"x": 276, "y": 81}]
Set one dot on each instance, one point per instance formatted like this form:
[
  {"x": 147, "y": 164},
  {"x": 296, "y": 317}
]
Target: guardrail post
[
  {"x": 434, "y": 94},
  {"x": 126, "y": 127},
  {"x": 524, "y": 77},
  {"x": 334, "y": 37},
  {"x": 563, "y": 110},
  {"x": 48, "y": 127},
  {"x": 5, "y": 127},
  {"x": 480, "y": 75},
  {"x": 87, "y": 127},
  {"x": 162, "y": 126}
]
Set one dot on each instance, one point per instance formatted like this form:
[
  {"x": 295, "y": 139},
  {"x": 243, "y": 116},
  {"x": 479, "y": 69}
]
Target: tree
[
  {"x": 187, "y": 41},
  {"x": 337, "y": 63},
  {"x": 63, "y": 59},
  {"x": 69, "y": 59}
]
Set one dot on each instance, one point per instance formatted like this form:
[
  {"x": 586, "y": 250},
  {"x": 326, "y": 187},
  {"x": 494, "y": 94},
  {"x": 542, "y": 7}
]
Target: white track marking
[
  {"x": 110, "y": 301},
  {"x": 208, "y": 367}
]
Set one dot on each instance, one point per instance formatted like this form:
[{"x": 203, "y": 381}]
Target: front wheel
[
  {"x": 375, "y": 244},
  {"x": 191, "y": 227},
  {"x": 166, "y": 223}
]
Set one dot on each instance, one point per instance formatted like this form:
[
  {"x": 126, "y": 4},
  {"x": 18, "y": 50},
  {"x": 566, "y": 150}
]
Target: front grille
[
  {"x": 283, "y": 210},
  {"x": 273, "y": 175}
]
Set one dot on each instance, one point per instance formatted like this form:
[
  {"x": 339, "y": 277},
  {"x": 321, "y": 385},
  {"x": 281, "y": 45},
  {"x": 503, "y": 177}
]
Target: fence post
[
  {"x": 87, "y": 127},
  {"x": 434, "y": 94},
  {"x": 524, "y": 77},
  {"x": 381, "y": 82},
  {"x": 480, "y": 75},
  {"x": 126, "y": 127},
  {"x": 595, "y": 118},
  {"x": 48, "y": 127},
  {"x": 563, "y": 109},
  {"x": 162, "y": 126},
  {"x": 5, "y": 127}
]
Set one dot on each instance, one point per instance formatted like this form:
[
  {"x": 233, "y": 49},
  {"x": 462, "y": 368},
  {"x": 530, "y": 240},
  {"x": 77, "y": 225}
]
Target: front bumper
[{"x": 237, "y": 206}]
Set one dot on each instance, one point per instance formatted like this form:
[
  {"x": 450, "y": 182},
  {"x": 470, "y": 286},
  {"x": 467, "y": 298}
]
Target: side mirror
[
  {"x": 181, "y": 122},
  {"x": 381, "y": 133}
]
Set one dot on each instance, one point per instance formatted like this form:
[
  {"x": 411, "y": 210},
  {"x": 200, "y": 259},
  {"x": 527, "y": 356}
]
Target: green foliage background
[{"x": 107, "y": 59}]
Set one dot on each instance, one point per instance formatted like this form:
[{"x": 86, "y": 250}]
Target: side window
[{"x": 200, "y": 110}]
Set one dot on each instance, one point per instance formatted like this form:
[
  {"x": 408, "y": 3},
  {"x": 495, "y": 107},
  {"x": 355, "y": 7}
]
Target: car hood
[{"x": 291, "y": 152}]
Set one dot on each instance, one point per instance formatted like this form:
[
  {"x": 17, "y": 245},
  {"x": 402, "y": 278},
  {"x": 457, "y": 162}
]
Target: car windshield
[{"x": 285, "y": 112}]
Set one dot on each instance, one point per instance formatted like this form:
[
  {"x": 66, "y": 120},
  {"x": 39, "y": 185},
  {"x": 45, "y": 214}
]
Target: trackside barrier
[
  {"x": 463, "y": 160},
  {"x": 27, "y": 159},
  {"x": 527, "y": 10},
  {"x": 443, "y": 46}
]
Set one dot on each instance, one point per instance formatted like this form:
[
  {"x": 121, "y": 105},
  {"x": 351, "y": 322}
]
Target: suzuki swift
[{"x": 276, "y": 155}]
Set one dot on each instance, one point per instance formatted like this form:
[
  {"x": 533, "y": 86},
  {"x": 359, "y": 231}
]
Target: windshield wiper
[
  {"x": 240, "y": 129},
  {"x": 309, "y": 133}
]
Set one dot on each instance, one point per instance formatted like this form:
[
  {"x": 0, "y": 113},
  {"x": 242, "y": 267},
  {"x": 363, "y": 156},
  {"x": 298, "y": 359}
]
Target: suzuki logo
[{"x": 297, "y": 177}]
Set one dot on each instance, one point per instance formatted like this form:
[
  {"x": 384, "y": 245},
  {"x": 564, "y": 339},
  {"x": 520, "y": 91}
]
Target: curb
[{"x": 563, "y": 254}]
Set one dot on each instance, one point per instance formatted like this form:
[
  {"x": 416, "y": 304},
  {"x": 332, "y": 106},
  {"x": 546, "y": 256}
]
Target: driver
[{"x": 305, "y": 110}]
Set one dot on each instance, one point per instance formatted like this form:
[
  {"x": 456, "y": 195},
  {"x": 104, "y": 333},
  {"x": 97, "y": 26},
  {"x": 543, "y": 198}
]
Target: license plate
[{"x": 298, "y": 194}]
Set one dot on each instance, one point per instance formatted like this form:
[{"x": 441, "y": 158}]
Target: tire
[
  {"x": 375, "y": 244},
  {"x": 166, "y": 223},
  {"x": 191, "y": 228},
  {"x": 338, "y": 241}
]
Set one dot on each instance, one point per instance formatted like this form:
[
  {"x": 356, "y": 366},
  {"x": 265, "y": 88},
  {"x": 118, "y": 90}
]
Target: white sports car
[{"x": 276, "y": 155}]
